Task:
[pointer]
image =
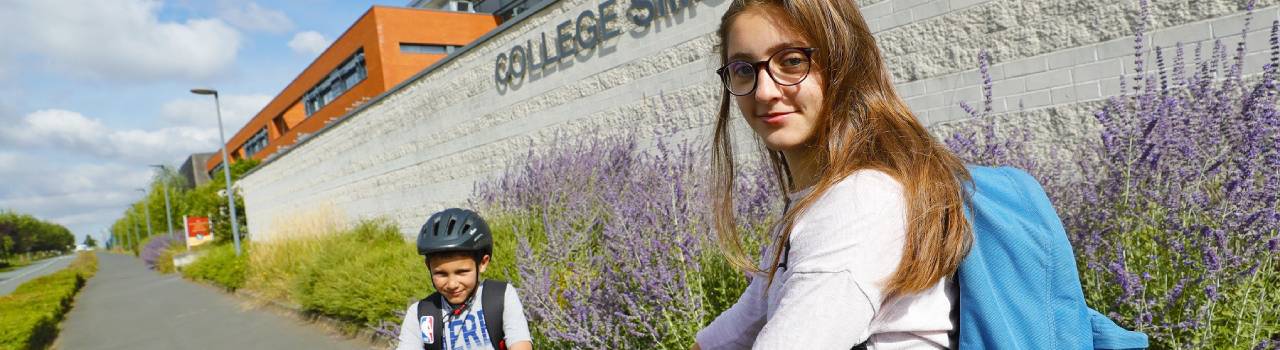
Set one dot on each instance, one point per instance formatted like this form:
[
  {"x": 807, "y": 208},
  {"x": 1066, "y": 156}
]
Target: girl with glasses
[{"x": 874, "y": 230}]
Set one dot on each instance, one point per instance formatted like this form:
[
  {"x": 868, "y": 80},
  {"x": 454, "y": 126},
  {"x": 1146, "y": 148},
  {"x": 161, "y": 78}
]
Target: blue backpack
[{"x": 1019, "y": 288}]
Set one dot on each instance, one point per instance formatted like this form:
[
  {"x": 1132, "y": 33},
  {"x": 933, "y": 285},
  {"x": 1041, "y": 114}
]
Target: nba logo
[{"x": 427, "y": 324}]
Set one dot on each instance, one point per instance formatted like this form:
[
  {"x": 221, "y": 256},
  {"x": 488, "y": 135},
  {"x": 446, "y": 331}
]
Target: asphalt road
[
  {"x": 12, "y": 279},
  {"x": 127, "y": 306}
]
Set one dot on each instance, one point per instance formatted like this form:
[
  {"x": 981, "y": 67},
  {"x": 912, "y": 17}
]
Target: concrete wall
[{"x": 421, "y": 146}]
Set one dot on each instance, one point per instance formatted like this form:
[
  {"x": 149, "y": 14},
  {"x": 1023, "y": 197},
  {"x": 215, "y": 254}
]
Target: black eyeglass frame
[{"x": 724, "y": 70}]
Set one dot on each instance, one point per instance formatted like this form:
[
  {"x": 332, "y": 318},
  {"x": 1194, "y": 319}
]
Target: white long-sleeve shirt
[{"x": 844, "y": 248}]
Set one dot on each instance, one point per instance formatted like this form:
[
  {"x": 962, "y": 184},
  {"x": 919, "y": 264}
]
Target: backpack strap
[
  {"x": 430, "y": 306},
  {"x": 492, "y": 300}
]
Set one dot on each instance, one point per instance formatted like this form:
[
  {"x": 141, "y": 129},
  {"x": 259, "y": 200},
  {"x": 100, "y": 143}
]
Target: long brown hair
[{"x": 863, "y": 125}]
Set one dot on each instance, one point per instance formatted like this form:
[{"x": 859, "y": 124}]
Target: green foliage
[
  {"x": 363, "y": 275},
  {"x": 164, "y": 260},
  {"x": 204, "y": 200},
  {"x": 221, "y": 266},
  {"x": 23, "y": 234},
  {"x": 1244, "y": 311},
  {"x": 165, "y": 263},
  {"x": 6, "y": 246},
  {"x": 721, "y": 283},
  {"x": 90, "y": 242},
  {"x": 29, "y": 316},
  {"x": 503, "y": 263}
]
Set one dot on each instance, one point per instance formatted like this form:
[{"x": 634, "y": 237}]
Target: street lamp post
[
  {"x": 226, "y": 166},
  {"x": 146, "y": 211},
  {"x": 168, "y": 213}
]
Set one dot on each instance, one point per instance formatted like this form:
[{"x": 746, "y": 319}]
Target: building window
[
  {"x": 461, "y": 6},
  {"x": 341, "y": 79},
  {"x": 281, "y": 126},
  {"x": 508, "y": 13},
  {"x": 216, "y": 169},
  {"x": 427, "y": 48},
  {"x": 256, "y": 142}
]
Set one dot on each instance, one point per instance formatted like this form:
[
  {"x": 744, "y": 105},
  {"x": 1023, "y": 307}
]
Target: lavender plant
[
  {"x": 1173, "y": 211},
  {"x": 154, "y": 250},
  {"x": 612, "y": 242}
]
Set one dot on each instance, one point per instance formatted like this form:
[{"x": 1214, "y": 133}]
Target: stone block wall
[{"x": 421, "y": 146}]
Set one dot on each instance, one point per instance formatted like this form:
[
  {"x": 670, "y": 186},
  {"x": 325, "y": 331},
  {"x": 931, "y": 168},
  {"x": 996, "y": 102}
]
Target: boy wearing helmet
[{"x": 466, "y": 312}]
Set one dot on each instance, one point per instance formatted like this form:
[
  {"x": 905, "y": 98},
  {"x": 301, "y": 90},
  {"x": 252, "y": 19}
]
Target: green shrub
[
  {"x": 30, "y": 315},
  {"x": 221, "y": 266},
  {"x": 363, "y": 275},
  {"x": 502, "y": 265},
  {"x": 164, "y": 264}
]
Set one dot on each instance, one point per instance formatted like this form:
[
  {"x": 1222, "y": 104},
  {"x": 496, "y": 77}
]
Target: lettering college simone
[{"x": 583, "y": 33}]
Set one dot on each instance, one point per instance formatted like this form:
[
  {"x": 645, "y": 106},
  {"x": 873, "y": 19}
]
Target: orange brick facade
[{"x": 379, "y": 32}]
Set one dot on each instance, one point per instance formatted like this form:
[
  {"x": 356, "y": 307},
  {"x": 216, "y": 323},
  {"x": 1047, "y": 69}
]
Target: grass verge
[{"x": 29, "y": 316}]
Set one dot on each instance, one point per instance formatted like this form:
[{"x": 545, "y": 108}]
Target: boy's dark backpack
[
  {"x": 491, "y": 301},
  {"x": 1019, "y": 287}
]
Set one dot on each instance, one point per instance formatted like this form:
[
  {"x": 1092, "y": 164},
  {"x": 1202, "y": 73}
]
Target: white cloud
[
  {"x": 117, "y": 39},
  {"x": 199, "y": 111},
  {"x": 8, "y": 160},
  {"x": 308, "y": 43},
  {"x": 85, "y": 197},
  {"x": 253, "y": 17},
  {"x": 70, "y": 131},
  {"x": 41, "y": 184}
]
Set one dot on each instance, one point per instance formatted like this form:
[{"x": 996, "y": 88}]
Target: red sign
[{"x": 197, "y": 230}]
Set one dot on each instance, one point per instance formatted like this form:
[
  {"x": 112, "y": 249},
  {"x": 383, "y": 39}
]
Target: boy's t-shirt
[{"x": 467, "y": 331}]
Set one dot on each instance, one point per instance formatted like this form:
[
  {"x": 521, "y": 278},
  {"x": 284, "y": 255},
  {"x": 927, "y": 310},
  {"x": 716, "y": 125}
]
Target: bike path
[{"x": 127, "y": 306}]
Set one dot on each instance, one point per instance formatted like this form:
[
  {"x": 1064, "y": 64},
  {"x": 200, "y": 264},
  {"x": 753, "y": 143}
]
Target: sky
[{"x": 92, "y": 92}]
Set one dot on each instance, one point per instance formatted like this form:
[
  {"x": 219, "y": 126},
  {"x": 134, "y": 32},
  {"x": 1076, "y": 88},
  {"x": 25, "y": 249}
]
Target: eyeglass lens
[{"x": 786, "y": 67}]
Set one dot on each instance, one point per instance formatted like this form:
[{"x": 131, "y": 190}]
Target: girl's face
[{"x": 785, "y": 117}]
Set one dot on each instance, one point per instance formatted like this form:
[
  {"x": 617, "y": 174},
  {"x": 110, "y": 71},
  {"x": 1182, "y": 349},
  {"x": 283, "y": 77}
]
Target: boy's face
[{"x": 455, "y": 275}]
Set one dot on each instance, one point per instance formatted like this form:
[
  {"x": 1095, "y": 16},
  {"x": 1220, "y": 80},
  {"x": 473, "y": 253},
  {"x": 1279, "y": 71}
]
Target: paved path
[
  {"x": 127, "y": 306},
  {"x": 12, "y": 279}
]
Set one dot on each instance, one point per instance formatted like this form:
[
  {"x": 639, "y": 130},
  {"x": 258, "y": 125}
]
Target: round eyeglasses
[{"x": 786, "y": 67}]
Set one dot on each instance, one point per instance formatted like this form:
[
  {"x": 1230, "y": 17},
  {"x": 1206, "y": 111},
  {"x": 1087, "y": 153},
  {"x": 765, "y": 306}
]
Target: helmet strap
[{"x": 458, "y": 309}]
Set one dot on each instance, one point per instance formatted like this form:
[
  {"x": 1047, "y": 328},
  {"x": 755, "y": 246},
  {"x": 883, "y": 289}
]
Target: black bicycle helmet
[{"x": 455, "y": 229}]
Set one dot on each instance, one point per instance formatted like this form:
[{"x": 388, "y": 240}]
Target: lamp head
[{"x": 204, "y": 91}]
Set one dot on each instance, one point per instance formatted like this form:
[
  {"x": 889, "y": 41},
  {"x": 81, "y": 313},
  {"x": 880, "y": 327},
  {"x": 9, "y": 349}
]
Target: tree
[
  {"x": 205, "y": 200},
  {"x": 6, "y": 247},
  {"x": 208, "y": 200},
  {"x": 90, "y": 242},
  {"x": 22, "y": 233}
]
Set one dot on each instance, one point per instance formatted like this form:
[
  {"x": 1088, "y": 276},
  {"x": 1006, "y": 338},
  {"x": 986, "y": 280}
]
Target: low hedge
[
  {"x": 221, "y": 266},
  {"x": 29, "y": 316}
]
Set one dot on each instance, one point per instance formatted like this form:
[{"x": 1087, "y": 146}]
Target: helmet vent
[{"x": 455, "y": 229}]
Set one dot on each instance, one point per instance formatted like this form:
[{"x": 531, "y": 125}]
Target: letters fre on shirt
[{"x": 467, "y": 331}]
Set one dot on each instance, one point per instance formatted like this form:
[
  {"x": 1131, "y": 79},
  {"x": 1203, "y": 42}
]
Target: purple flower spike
[{"x": 1178, "y": 192}]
